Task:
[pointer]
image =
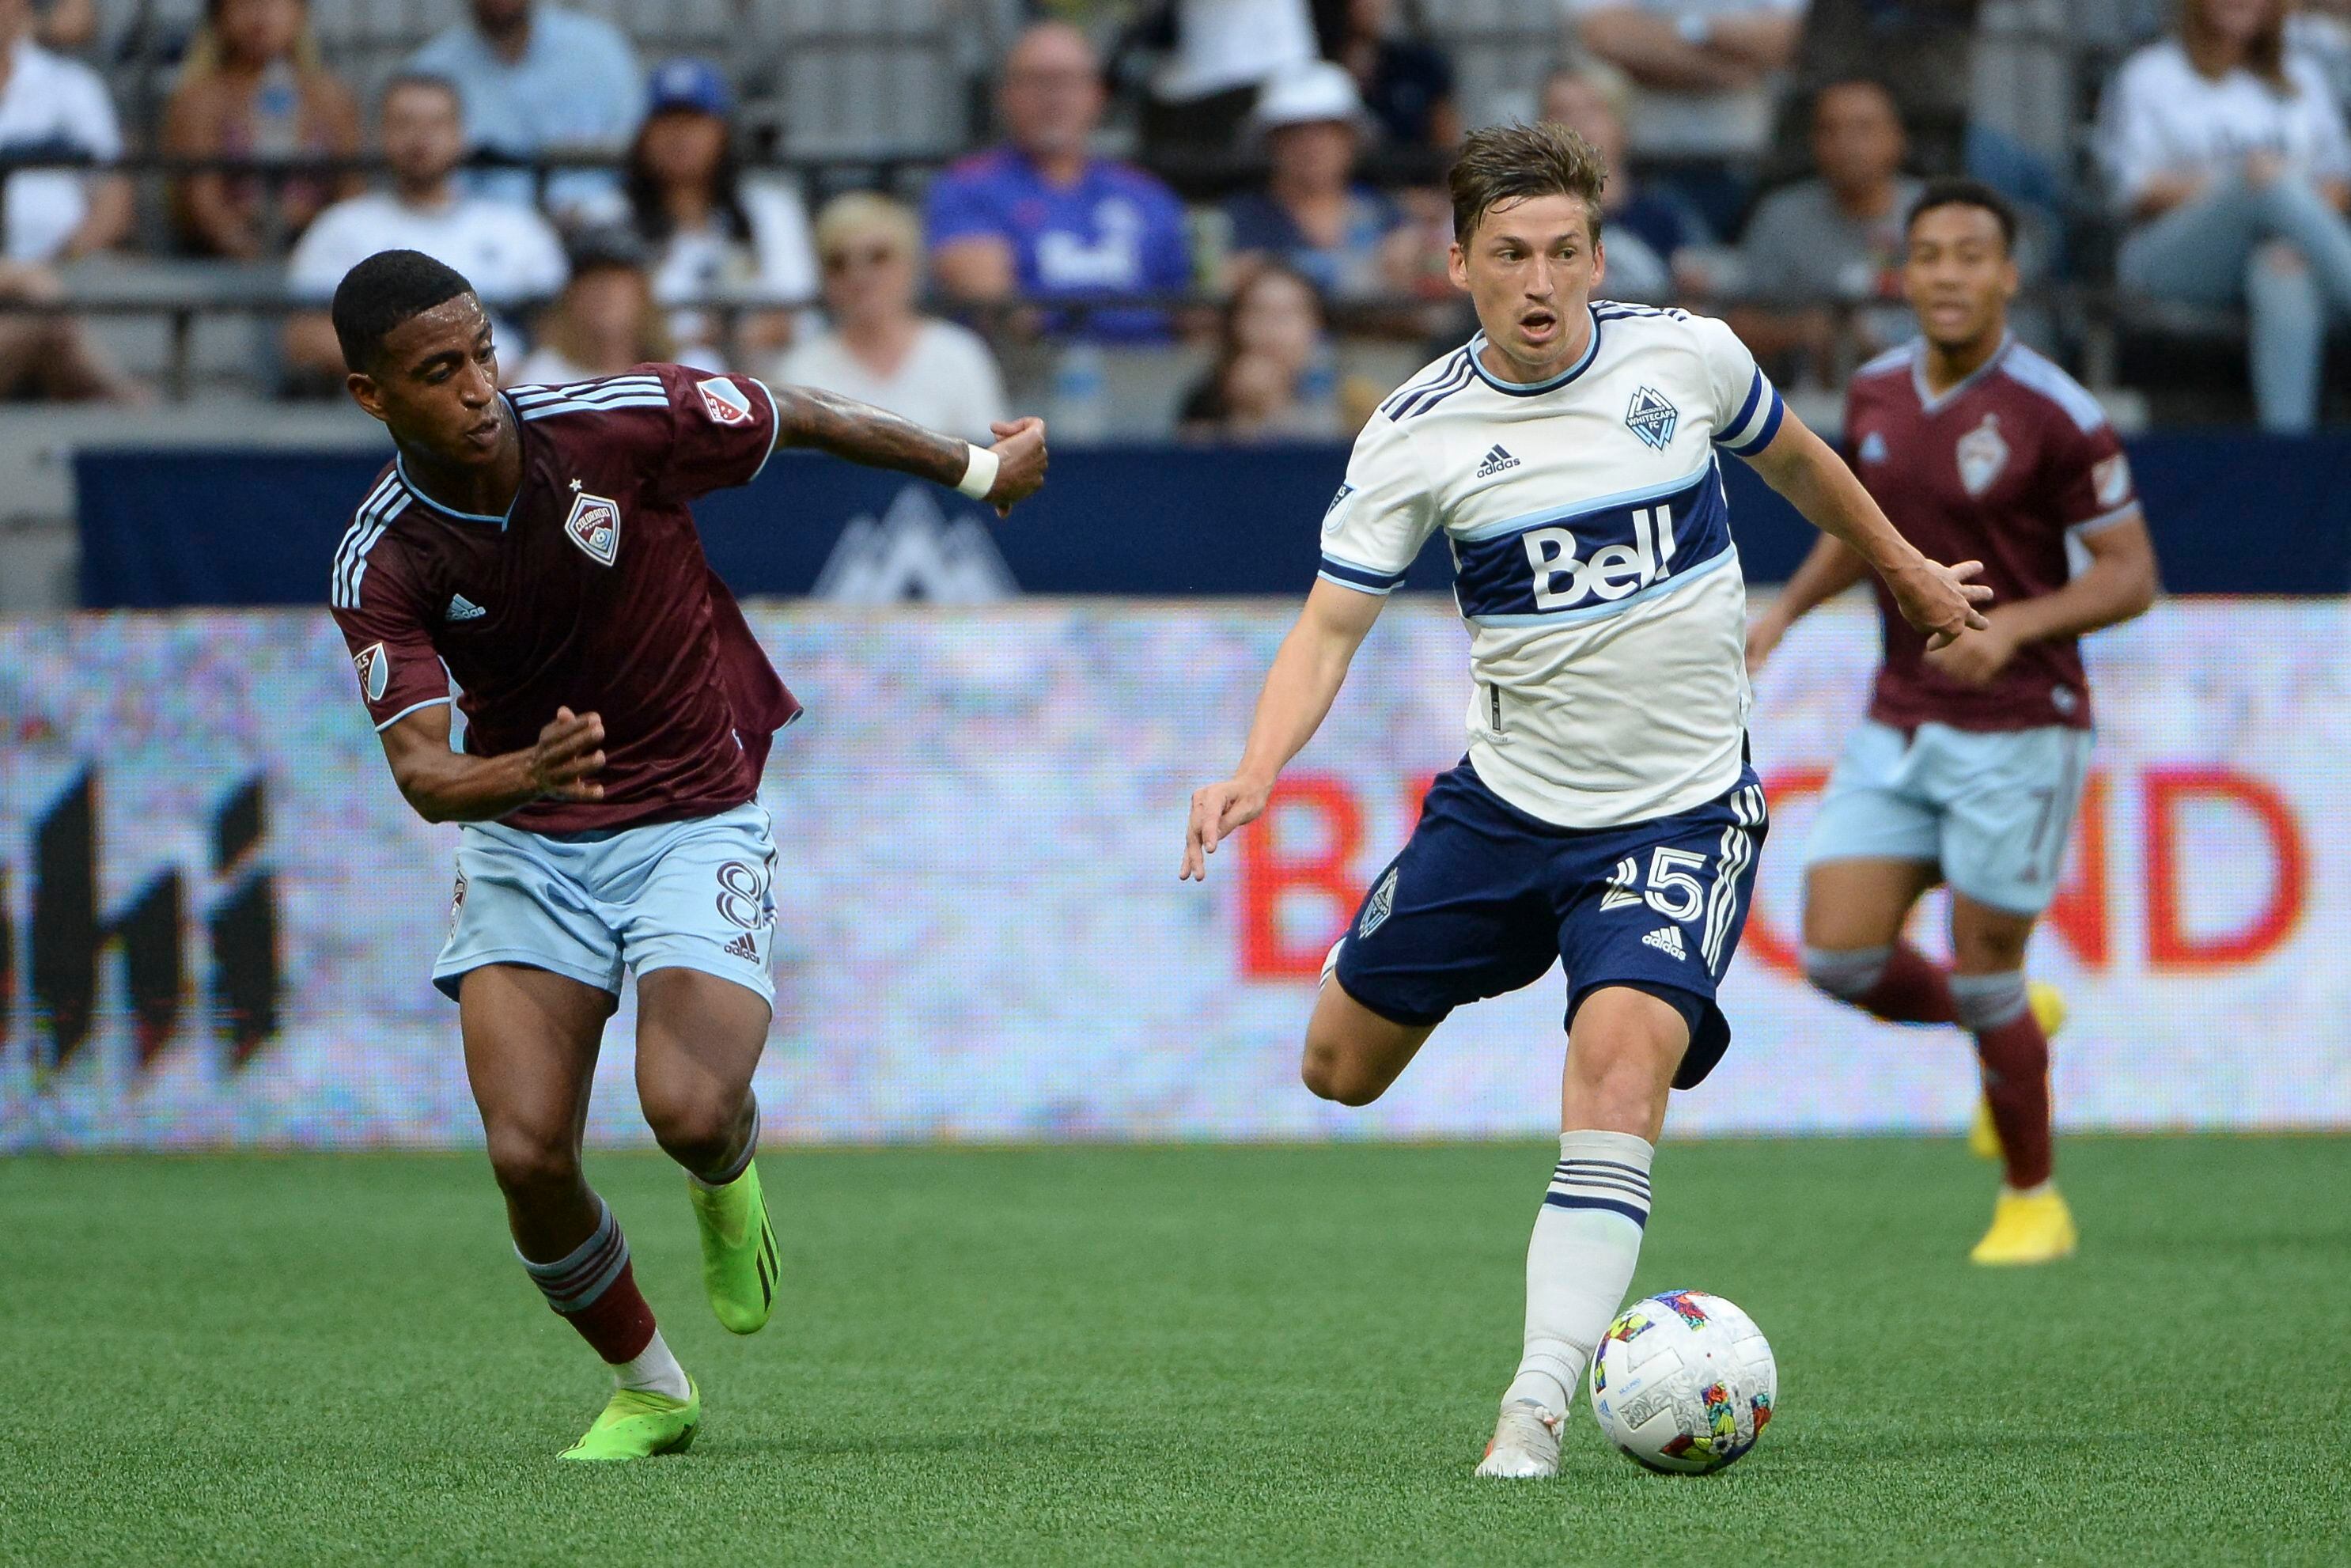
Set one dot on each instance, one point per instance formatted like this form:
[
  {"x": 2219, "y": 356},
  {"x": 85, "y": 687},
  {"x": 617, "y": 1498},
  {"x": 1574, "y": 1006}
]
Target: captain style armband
[{"x": 979, "y": 478}]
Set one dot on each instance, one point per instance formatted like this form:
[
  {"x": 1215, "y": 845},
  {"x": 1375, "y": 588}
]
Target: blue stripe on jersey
[
  {"x": 1593, "y": 560},
  {"x": 569, "y": 406},
  {"x": 1398, "y": 398},
  {"x": 1347, "y": 574},
  {"x": 1764, "y": 431}
]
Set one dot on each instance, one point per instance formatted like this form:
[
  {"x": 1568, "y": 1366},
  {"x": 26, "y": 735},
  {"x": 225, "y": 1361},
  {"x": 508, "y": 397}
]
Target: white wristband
[{"x": 979, "y": 478}]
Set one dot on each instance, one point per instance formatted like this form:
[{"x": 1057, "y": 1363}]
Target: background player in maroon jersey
[
  {"x": 536, "y": 543},
  {"x": 1971, "y": 761}
]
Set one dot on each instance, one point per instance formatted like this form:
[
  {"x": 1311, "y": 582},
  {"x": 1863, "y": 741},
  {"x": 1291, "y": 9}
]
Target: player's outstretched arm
[
  {"x": 1305, "y": 678},
  {"x": 1003, "y": 475},
  {"x": 1938, "y": 599},
  {"x": 1832, "y": 567},
  {"x": 445, "y": 786}
]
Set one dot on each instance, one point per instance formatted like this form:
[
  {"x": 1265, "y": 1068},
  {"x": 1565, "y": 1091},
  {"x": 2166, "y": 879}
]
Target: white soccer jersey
[{"x": 1593, "y": 556}]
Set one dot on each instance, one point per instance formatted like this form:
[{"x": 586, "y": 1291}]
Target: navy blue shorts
[{"x": 1484, "y": 897}]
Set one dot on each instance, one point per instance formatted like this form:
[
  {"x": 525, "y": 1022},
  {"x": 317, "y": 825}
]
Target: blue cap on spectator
[{"x": 686, "y": 83}]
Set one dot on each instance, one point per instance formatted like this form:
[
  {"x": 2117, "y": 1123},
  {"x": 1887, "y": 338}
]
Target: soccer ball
[{"x": 1684, "y": 1382}]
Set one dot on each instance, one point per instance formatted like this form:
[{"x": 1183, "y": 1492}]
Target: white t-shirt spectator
[
  {"x": 1226, "y": 44},
  {"x": 1729, "y": 124},
  {"x": 947, "y": 382},
  {"x": 775, "y": 265},
  {"x": 507, "y": 253},
  {"x": 2161, "y": 116},
  {"x": 51, "y": 103}
]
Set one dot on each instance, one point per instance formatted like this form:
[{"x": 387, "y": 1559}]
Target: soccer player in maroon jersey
[
  {"x": 1971, "y": 763},
  {"x": 536, "y": 545}
]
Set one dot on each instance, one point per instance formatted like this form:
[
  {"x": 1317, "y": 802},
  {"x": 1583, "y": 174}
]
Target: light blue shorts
[
  {"x": 692, "y": 894},
  {"x": 1991, "y": 808}
]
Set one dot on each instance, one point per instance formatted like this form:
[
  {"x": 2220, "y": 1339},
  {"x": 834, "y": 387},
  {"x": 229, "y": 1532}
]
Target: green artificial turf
[{"x": 1195, "y": 1354}]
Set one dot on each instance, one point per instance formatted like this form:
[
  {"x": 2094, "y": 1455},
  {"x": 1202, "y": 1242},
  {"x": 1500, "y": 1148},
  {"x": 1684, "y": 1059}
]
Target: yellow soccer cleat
[
  {"x": 637, "y": 1424},
  {"x": 2028, "y": 1227},
  {"x": 740, "y": 1270},
  {"x": 2049, "y": 1012}
]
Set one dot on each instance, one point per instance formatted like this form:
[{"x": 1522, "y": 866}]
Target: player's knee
[
  {"x": 1328, "y": 1073},
  {"x": 695, "y": 1126},
  {"x": 1847, "y": 974},
  {"x": 531, "y": 1166}
]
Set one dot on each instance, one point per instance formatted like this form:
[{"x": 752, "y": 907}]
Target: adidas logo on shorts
[
  {"x": 1497, "y": 460},
  {"x": 743, "y": 948},
  {"x": 463, "y": 609},
  {"x": 1667, "y": 939}
]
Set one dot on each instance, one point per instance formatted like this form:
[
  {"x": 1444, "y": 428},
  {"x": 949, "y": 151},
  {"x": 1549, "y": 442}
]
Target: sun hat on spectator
[
  {"x": 689, "y": 84},
  {"x": 1310, "y": 94}
]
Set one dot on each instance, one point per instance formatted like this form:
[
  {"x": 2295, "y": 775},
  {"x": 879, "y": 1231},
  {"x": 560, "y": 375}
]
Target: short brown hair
[{"x": 1514, "y": 162}]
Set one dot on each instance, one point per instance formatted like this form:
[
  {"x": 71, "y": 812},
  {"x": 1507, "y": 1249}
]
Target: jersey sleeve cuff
[
  {"x": 412, "y": 708},
  {"x": 1757, "y": 420},
  {"x": 1361, "y": 578},
  {"x": 2104, "y": 520}
]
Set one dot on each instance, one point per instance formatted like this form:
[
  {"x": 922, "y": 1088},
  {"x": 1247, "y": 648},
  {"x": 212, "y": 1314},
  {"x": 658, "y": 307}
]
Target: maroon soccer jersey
[
  {"x": 1999, "y": 468},
  {"x": 590, "y": 593}
]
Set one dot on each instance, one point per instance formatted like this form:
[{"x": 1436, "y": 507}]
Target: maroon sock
[
  {"x": 618, "y": 1324},
  {"x": 2015, "y": 1057},
  {"x": 1912, "y": 990}
]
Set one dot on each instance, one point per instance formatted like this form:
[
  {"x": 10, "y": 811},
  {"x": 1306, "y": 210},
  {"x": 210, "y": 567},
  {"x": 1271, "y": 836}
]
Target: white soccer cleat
[{"x": 1526, "y": 1442}]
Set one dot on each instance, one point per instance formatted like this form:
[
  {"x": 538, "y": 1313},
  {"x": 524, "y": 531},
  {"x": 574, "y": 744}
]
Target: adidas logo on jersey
[
  {"x": 1667, "y": 939},
  {"x": 463, "y": 609},
  {"x": 743, "y": 948},
  {"x": 1497, "y": 460}
]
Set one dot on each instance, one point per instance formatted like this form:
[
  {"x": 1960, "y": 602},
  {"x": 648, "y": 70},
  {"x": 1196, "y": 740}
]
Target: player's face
[
  {"x": 1530, "y": 267},
  {"x": 435, "y": 384},
  {"x": 1959, "y": 276}
]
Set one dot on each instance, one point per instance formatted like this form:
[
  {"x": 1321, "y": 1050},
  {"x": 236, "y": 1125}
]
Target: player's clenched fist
[
  {"x": 1218, "y": 810},
  {"x": 569, "y": 748},
  {"x": 1939, "y": 599},
  {"x": 1021, "y": 462}
]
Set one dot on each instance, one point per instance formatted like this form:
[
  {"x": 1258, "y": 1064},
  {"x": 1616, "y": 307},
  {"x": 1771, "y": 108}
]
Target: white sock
[
  {"x": 654, "y": 1371},
  {"x": 1587, "y": 1238}
]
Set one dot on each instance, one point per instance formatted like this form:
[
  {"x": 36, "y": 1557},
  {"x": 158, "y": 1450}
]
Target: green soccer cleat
[
  {"x": 738, "y": 1250},
  {"x": 637, "y": 1424}
]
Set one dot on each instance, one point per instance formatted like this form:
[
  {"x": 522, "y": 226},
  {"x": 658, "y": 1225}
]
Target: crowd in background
[{"x": 1764, "y": 153}]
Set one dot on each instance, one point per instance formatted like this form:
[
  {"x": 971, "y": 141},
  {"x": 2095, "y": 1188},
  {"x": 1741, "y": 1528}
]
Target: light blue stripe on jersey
[
  {"x": 1657, "y": 590},
  {"x": 1757, "y": 421},
  {"x": 1370, "y": 580},
  {"x": 1551, "y": 517}
]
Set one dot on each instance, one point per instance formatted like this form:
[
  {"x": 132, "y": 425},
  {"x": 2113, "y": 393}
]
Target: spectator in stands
[
  {"x": 712, "y": 233},
  {"x": 508, "y": 252},
  {"x": 1042, "y": 218},
  {"x": 1834, "y": 238},
  {"x": 1273, "y": 378},
  {"x": 50, "y": 104},
  {"x": 1651, "y": 237},
  {"x": 878, "y": 349},
  {"x": 1220, "y": 53},
  {"x": 1704, "y": 72},
  {"x": 2230, "y": 159},
  {"x": 1406, "y": 81},
  {"x": 252, "y": 87},
  {"x": 1312, "y": 216},
  {"x": 67, "y": 26},
  {"x": 536, "y": 79},
  {"x": 605, "y": 319}
]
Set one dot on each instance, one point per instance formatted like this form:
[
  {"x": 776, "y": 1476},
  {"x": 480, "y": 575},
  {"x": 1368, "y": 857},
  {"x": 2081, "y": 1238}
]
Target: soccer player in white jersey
[{"x": 1605, "y": 816}]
